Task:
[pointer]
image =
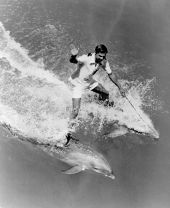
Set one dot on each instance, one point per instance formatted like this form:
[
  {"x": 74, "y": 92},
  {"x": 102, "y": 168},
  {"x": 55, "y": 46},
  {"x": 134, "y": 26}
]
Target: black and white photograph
[{"x": 84, "y": 104}]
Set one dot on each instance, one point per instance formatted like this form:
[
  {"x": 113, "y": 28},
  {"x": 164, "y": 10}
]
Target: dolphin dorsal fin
[{"x": 74, "y": 170}]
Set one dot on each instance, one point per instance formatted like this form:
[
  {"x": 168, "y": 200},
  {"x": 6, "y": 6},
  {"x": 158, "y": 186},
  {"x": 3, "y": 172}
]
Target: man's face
[{"x": 99, "y": 57}]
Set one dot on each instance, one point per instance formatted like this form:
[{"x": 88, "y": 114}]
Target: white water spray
[{"x": 36, "y": 103}]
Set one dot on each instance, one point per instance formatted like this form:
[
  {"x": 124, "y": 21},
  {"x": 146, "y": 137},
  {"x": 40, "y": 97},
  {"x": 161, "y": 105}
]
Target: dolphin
[{"x": 80, "y": 157}]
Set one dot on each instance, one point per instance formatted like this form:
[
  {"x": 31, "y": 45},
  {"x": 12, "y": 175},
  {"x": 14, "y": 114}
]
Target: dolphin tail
[{"x": 74, "y": 170}]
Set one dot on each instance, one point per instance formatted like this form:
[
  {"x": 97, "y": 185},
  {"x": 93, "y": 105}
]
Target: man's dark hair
[{"x": 101, "y": 49}]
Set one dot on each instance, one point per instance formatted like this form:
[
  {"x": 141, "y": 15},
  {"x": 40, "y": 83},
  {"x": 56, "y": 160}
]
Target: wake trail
[{"x": 32, "y": 100}]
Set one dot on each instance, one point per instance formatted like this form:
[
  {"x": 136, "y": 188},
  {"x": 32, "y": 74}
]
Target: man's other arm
[{"x": 113, "y": 78}]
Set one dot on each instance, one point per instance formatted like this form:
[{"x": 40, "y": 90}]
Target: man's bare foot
[{"x": 70, "y": 137}]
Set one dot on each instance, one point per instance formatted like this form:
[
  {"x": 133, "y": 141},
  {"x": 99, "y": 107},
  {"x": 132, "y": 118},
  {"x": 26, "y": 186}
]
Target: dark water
[{"x": 137, "y": 33}]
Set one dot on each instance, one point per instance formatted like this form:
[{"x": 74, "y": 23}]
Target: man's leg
[
  {"x": 75, "y": 110},
  {"x": 103, "y": 93},
  {"x": 75, "y": 107}
]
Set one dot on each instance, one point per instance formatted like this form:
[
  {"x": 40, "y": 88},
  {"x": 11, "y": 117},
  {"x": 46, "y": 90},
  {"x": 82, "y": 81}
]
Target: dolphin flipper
[{"x": 74, "y": 170}]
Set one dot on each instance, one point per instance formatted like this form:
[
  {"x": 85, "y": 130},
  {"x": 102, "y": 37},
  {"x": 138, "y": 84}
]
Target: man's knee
[{"x": 104, "y": 96}]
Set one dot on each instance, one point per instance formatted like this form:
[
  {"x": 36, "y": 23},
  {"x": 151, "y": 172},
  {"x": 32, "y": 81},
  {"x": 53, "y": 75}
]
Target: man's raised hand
[{"x": 74, "y": 50}]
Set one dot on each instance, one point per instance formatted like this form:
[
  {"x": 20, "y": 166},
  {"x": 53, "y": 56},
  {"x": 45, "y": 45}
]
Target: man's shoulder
[
  {"x": 86, "y": 57},
  {"x": 82, "y": 58},
  {"x": 91, "y": 57}
]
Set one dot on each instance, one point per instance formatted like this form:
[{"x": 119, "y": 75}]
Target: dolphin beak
[
  {"x": 111, "y": 175},
  {"x": 155, "y": 135}
]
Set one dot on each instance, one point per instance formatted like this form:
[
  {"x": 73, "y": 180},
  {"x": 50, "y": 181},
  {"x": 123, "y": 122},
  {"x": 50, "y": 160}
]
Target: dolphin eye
[{"x": 96, "y": 168}]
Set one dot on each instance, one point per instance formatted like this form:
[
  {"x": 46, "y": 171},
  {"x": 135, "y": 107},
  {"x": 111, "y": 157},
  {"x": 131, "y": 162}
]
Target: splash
[
  {"x": 36, "y": 103},
  {"x": 127, "y": 114},
  {"x": 32, "y": 100}
]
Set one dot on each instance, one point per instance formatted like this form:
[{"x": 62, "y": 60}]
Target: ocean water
[{"x": 35, "y": 101}]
